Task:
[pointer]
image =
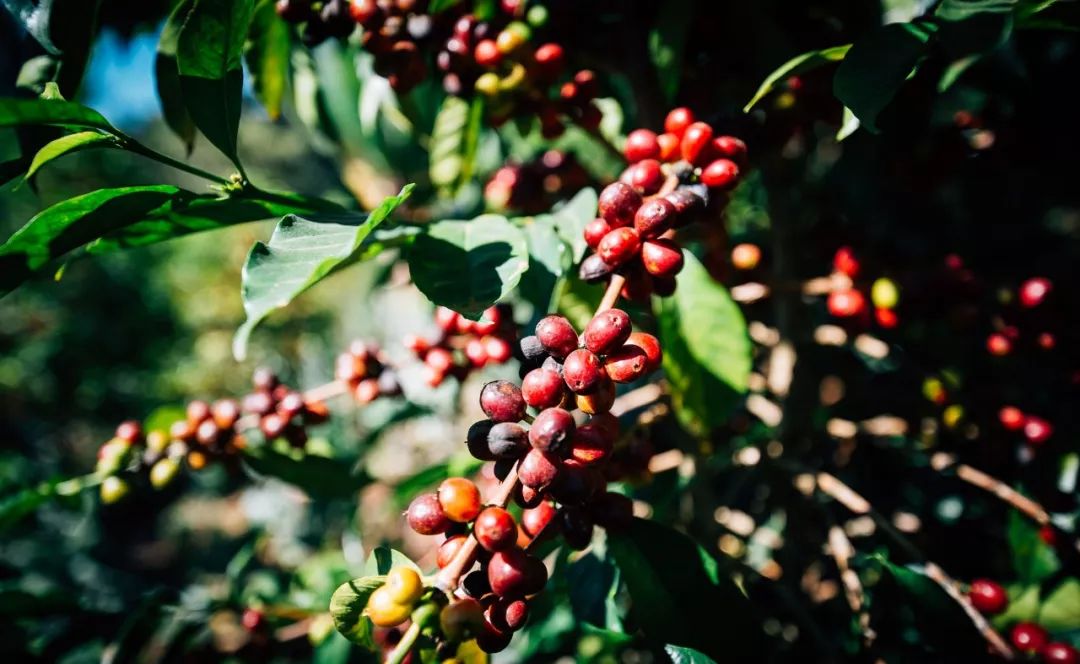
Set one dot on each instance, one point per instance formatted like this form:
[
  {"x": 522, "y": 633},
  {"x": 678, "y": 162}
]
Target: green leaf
[
  {"x": 707, "y": 351},
  {"x": 469, "y": 265},
  {"x": 849, "y": 125},
  {"x": 571, "y": 219},
  {"x": 667, "y": 41},
  {"x": 267, "y": 57},
  {"x": 549, "y": 260},
  {"x": 961, "y": 10},
  {"x": 800, "y": 64},
  {"x": 167, "y": 77},
  {"x": 302, "y": 252},
  {"x": 1033, "y": 559},
  {"x": 15, "y": 112},
  {"x": 1061, "y": 609},
  {"x": 208, "y": 57},
  {"x": 680, "y": 655},
  {"x": 347, "y": 608},
  {"x": 663, "y": 569},
  {"x": 454, "y": 141},
  {"x": 316, "y": 475},
  {"x": 437, "y": 6},
  {"x": 72, "y": 223},
  {"x": 973, "y": 27},
  {"x": 383, "y": 559},
  {"x": 83, "y": 140}
]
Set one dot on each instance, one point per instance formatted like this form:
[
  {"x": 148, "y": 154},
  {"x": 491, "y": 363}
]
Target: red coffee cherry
[
  {"x": 491, "y": 640},
  {"x": 583, "y": 371},
  {"x": 590, "y": 444},
  {"x": 487, "y": 54},
  {"x": 439, "y": 359},
  {"x": 459, "y": 499},
  {"x": 619, "y": 246},
  {"x": 613, "y": 511},
  {"x": 661, "y": 258},
  {"x": 197, "y": 411},
  {"x": 1037, "y": 430},
  {"x": 646, "y": 176},
  {"x": 1028, "y": 637},
  {"x": 502, "y": 401},
  {"x": 695, "y": 141},
  {"x": 594, "y": 269},
  {"x": 495, "y": 529},
  {"x": 461, "y": 618},
  {"x": 253, "y": 620},
  {"x": 507, "y": 440},
  {"x": 577, "y": 527},
  {"x": 607, "y": 330},
  {"x": 575, "y": 484},
  {"x": 498, "y": 349},
  {"x": 446, "y": 319},
  {"x": 731, "y": 148},
  {"x": 641, "y": 144},
  {"x": 426, "y": 516},
  {"x": 651, "y": 347},
  {"x": 515, "y": 573},
  {"x": 988, "y": 596},
  {"x": 720, "y": 174},
  {"x": 448, "y": 549},
  {"x": 549, "y": 61},
  {"x": 476, "y": 353},
  {"x": 654, "y": 217},
  {"x": 508, "y": 614},
  {"x": 600, "y": 401},
  {"x": 538, "y": 469},
  {"x": 557, "y": 336},
  {"x": 595, "y": 231},
  {"x": 846, "y": 303},
  {"x": 998, "y": 345},
  {"x": 362, "y": 11},
  {"x": 543, "y": 388},
  {"x": 1060, "y": 653},
  {"x": 534, "y": 520},
  {"x": 627, "y": 364},
  {"x": 669, "y": 147},
  {"x": 1011, "y": 418},
  {"x": 845, "y": 262},
  {"x": 617, "y": 204},
  {"x": 527, "y": 497},
  {"x": 677, "y": 121},
  {"x": 552, "y": 430},
  {"x": 1034, "y": 291},
  {"x": 586, "y": 82}
]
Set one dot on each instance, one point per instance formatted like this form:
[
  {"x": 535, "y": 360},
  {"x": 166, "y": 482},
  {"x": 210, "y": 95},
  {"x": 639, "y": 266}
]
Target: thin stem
[
  {"x": 951, "y": 588},
  {"x": 132, "y": 145},
  {"x": 401, "y": 650},
  {"x": 611, "y": 295}
]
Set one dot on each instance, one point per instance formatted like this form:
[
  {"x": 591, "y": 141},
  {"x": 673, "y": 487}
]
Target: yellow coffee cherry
[
  {"x": 488, "y": 84},
  {"x": 163, "y": 472},
  {"x": 404, "y": 585},
  {"x": 113, "y": 489},
  {"x": 113, "y": 456},
  {"x": 463, "y": 618},
  {"x": 384, "y": 611},
  {"x": 884, "y": 293}
]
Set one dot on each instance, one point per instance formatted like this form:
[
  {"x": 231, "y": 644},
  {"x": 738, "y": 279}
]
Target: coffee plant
[{"x": 584, "y": 331}]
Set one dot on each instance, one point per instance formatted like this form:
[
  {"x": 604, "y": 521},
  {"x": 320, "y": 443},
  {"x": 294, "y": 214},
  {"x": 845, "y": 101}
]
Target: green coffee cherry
[{"x": 537, "y": 16}]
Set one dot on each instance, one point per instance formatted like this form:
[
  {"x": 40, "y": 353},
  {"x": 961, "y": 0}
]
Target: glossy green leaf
[
  {"x": 74, "y": 222},
  {"x": 662, "y": 569},
  {"x": 1060, "y": 610},
  {"x": 549, "y": 261},
  {"x": 469, "y": 265},
  {"x": 848, "y": 126},
  {"x": 800, "y": 64},
  {"x": 300, "y": 253},
  {"x": 454, "y": 142},
  {"x": 383, "y": 559},
  {"x": 316, "y": 475},
  {"x": 83, "y": 140},
  {"x": 707, "y": 350},
  {"x": 209, "y": 59},
  {"x": 267, "y": 57},
  {"x": 347, "y": 608},
  {"x": 571, "y": 219},
  {"x": 437, "y": 6},
  {"x": 876, "y": 67},
  {"x": 15, "y": 112},
  {"x": 667, "y": 41},
  {"x": 681, "y": 655},
  {"x": 961, "y": 10},
  {"x": 1033, "y": 559},
  {"x": 167, "y": 76}
]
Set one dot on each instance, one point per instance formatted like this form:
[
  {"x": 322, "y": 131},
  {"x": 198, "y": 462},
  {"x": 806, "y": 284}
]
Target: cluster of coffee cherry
[
  {"x": 989, "y": 598},
  {"x": 282, "y": 412},
  {"x": 1035, "y": 429},
  {"x": 535, "y": 186},
  {"x": 850, "y": 303},
  {"x": 129, "y": 455},
  {"x": 319, "y": 20},
  {"x": 464, "y": 345},
  {"x": 366, "y": 372},
  {"x": 395, "y": 32},
  {"x": 1031, "y": 295}
]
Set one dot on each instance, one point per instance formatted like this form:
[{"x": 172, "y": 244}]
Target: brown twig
[
  {"x": 294, "y": 630},
  {"x": 842, "y": 551},
  {"x": 611, "y": 295}
]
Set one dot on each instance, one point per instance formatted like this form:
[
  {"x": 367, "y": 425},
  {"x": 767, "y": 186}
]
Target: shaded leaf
[
  {"x": 549, "y": 260},
  {"x": 571, "y": 219},
  {"x": 15, "y": 112},
  {"x": 667, "y": 41},
  {"x": 1033, "y": 559},
  {"x": 454, "y": 141},
  {"x": 848, "y": 126},
  {"x": 300, "y": 253},
  {"x": 469, "y": 265},
  {"x": 267, "y": 57},
  {"x": 798, "y": 65},
  {"x": 383, "y": 559},
  {"x": 681, "y": 655},
  {"x": 1060, "y": 610},
  {"x": 83, "y": 140},
  {"x": 437, "y": 6},
  {"x": 167, "y": 77},
  {"x": 316, "y": 475},
  {"x": 707, "y": 350},
  {"x": 347, "y": 608}
]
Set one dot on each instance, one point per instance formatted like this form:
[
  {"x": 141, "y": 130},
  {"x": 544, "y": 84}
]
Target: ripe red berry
[
  {"x": 476, "y": 353},
  {"x": 661, "y": 258},
  {"x": 507, "y": 440},
  {"x": 720, "y": 174},
  {"x": 626, "y": 364},
  {"x": 495, "y": 529},
  {"x": 645, "y": 176},
  {"x": 607, "y": 330},
  {"x": 130, "y": 431},
  {"x": 619, "y": 246},
  {"x": 508, "y": 614},
  {"x": 487, "y": 54},
  {"x": 845, "y": 262},
  {"x": 617, "y": 204},
  {"x": 549, "y": 61},
  {"x": 590, "y": 444},
  {"x": 998, "y": 345},
  {"x": 695, "y": 140},
  {"x": 846, "y": 303},
  {"x": 426, "y": 516},
  {"x": 600, "y": 401},
  {"x": 543, "y": 388},
  {"x": 491, "y": 640},
  {"x": 448, "y": 549},
  {"x": 552, "y": 430},
  {"x": 502, "y": 401},
  {"x": 586, "y": 82},
  {"x": 1060, "y": 653},
  {"x": 988, "y": 596},
  {"x": 459, "y": 499},
  {"x": 1011, "y": 418},
  {"x": 515, "y": 573},
  {"x": 439, "y": 359},
  {"x": 446, "y": 319},
  {"x": 650, "y": 345},
  {"x": 688, "y": 205},
  {"x": 252, "y": 619},
  {"x": 583, "y": 371},
  {"x": 641, "y": 144},
  {"x": 538, "y": 469},
  {"x": 677, "y": 120},
  {"x": 654, "y": 217},
  {"x": 595, "y": 231},
  {"x": 577, "y": 527},
  {"x": 669, "y": 147},
  {"x": 886, "y": 318},
  {"x": 535, "y": 519},
  {"x": 1037, "y": 430},
  {"x": 731, "y": 148},
  {"x": 557, "y": 336},
  {"x": 362, "y": 11},
  {"x": 1034, "y": 291},
  {"x": 498, "y": 349},
  {"x": 1028, "y": 637}
]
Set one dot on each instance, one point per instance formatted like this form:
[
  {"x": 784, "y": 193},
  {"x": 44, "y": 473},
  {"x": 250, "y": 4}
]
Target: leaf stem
[{"x": 130, "y": 144}]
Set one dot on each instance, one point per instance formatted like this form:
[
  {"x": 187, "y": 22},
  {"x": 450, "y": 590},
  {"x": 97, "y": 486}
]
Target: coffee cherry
[
  {"x": 476, "y": 353},
  {"x": 661, "y": 258},
  {"x": 404, "y": 585},
  {"x": 1011, "y": 418},
  {"x": 583, "y": 371},
  {"x": 536, "y": 519},
  {"x": 1034, "y": 291},
  {"x": 617, "y": 204},
  {"x": 197, "y": 411},
  {"x": 645, "y": 176},
  {"x": 720, "y": 174},
  {"x": 988, "y": 597},
  {"x": 745, "y": 256},
  {"x": 695, "y": 140},
  {"x": 846, "y": 303},
  {"x": 477, "y": 440},
  {"x": 163, "y": 472},
  {"x": 668, "y": 145},
  {"x": 495, "y": 529},
  {"x": 459, "y": 499},
  {"x": 114, "y": 489},
  {"x": 514, "y": 572},
  {"x": 626, "y": 364},
  {"x": 491, "y": 640},
  {"x": 731, "y": 148},
  {"x": 613, "y": 511},
  {"x": 508, "y": 614},
  {"x": 487, "y": 54},
  {"x": 886, "y": 318},
  {"x": 130, "y": 431},
  {"x": 845, "y": 262},
  {"x": 1060, "y": 653},
  {"x": 619, "y": 246},
  {"x": 600, "y": 401},
  {"x": 448, "y": 549},
  {"x": 531, "y": 349},
  {"x": 577, "y": 527},
  {"x": 543, "y": 388},
  {"x": 508, "y": 440},
  {"x": 501, "y": 400},
  {"x": 641, "y": 144},
  {"x": 1028, "y": 637},
  {"x": 552, "y": 430},
  {"x": 253, "y": 620},
  {"x": 363, "y": 11},
  {"x": 590, "y": 444},
  {"x": 557, "y": 335},
  {"x": 475, "y": 584},
  {"x": 654, "y": 218},
  {"x": 595, "y": 231},
  {"x": 461, "y": 618},
  {"x": 384, "y": 611},
  {"x": 884, "y": 293},
  {"x": 606, "y": 331},
  {"x": 575, "y": 483},
  {"x": 549, "y": 60},
  {"x": 426, "y": 516},
  {"x": 688, "y": 205},
  {"x": 594, "y": 269},
  {"x": 1037, "y": 430},
  {"x": 538, "y": 469},
  {"x": 998, "y": 345},
  {"x": 677, "y": 121}
]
